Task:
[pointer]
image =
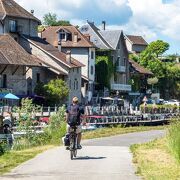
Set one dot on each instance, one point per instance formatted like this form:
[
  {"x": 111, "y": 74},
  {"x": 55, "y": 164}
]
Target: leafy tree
[
  {"x": 56, "y": 91},
  {"x": 167, "y": 73},
  {"x": 158, "y": 47},
  {"x": 134, "y": 57},
  {"x": 51, "y": 20}
]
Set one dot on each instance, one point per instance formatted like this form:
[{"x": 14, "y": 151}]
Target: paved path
[{"x": 103, "y": 158}]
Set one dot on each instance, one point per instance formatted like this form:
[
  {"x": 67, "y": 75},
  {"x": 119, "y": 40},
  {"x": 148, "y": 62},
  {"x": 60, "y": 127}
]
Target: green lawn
[
  {"x": 13, "y": 158},
  {"x": 154, "y": 161},
  {"x": 112, "y": 131}
]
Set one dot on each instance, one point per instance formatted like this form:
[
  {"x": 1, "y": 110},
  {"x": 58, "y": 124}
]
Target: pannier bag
[{"x": 66, "y": 140}]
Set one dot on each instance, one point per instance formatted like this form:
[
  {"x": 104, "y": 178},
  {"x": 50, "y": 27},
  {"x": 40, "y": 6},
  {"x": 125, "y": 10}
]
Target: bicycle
[{"x": 73, "y": 142}]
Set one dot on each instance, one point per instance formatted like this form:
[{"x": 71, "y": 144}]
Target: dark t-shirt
[{"x": 76, "y": 108}]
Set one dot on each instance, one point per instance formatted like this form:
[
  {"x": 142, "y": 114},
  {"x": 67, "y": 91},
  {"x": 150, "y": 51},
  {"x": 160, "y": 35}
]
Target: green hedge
[{"x": 151, "y": 108}]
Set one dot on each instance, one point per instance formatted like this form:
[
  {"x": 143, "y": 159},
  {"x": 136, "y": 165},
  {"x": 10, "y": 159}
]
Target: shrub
[
  {"x": 3, "y": 148},
  {"x": 174, "y": 138}
]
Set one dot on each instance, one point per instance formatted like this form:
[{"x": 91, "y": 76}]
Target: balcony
[
  {"x": 121, "y": 69},
  {"x": 121, "y": 87}
]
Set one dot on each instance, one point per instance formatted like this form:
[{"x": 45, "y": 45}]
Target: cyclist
[{"x": 73, "y": 118}]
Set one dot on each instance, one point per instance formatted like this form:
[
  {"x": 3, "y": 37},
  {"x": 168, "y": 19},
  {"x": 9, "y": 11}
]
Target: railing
[
  {"x": 121, "y": 87},
  {"x": 5, "y": 90},
  {"x": 129, "y": 119},
  {"x": 121, "y": 68}
]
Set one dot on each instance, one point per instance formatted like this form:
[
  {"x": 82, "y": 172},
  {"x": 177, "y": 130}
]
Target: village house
[
  {"x": 69, "y": 38},
  {"x": 135, "y": 44},
  {"x": 15, "y": 62},
  {"x": 26, "y": 59},
  {"x": 113, "y": 42}
]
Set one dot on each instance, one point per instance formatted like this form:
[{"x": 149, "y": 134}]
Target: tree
[
  {"x": 56, "y": 91},
  {"x": 158, "y": 47},
  {"x": 51, "y": 20}
]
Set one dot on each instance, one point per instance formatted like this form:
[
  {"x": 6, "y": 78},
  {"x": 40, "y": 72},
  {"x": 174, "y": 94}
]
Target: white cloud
[
  {"x": 150, "y": 18},
  {"x": 157, "y": 17}
]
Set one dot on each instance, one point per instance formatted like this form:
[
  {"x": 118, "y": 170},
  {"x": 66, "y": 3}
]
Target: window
[
  {"x": 4, "y": 82},
  {"x": 124, "y": 61},
  {"x": 118, "y": 61},
  {"x": 69, "y": 84},
  {"x": 92, "y": 70},
  {"x": 112, "y": 57},
  {"x": 76, "y": 84},
  {"x": 62, "y": 35},
  {"x": 12, "y": 26},
  {"x": 37, "y": 77},
  {"x": 92, "y": 54}
]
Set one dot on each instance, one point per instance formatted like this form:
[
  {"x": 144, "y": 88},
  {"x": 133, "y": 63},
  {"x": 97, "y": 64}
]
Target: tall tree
[
  {"x": 50, "y": 19},
  {"x": 158, "y": 47}
]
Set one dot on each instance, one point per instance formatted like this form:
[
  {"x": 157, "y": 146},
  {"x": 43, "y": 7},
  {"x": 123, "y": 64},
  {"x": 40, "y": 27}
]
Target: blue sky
[{"x": 152, "y": 19}]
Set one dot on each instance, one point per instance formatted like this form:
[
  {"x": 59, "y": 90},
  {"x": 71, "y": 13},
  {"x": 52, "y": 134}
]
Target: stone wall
[
  {"x": 54, "y": 65},
  {"x": 17, "y": 81},
  {"x": 26, "y": 26}
]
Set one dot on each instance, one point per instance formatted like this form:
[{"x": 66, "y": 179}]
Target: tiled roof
[
  {"x": 112, "y": 37},
  {"x": 104, "y": 44},
  {"x": 12, "y": 53},
  {"x": 50, "y": 49},
  {"x": 12, "y": 9},
  {"x": 51, "y": 35},
  {"x": 138, "y": 40},
  {"x": 140, "y": 69}
]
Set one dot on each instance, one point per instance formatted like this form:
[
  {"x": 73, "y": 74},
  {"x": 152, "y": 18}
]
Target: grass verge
[
  {"x": 12, "y": 159},
  {"x": 154, "y": 161},
  {"x": 112, "y": 131}
]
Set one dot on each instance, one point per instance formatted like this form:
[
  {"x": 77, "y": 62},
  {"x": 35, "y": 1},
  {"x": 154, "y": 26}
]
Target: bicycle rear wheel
[
  {"x": 71, "y": 154},
  {"x": 75, "y": 153}
]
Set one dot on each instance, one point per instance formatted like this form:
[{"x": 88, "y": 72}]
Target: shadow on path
[{"x": 88, "y": 158}]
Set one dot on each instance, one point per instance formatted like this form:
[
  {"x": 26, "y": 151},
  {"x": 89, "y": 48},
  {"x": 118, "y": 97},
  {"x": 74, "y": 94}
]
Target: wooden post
[
  {"x": 42, "y": 110},
  {"x": 55, "y": 109},
  {"x": 49, "y": 110}
]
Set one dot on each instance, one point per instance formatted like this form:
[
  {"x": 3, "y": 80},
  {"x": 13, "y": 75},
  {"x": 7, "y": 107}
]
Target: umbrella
[{"x": 8, "y": 96}]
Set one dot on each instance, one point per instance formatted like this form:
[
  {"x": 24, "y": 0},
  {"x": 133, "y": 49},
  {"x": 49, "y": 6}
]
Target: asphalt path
[{"x": 103, "y": 158}]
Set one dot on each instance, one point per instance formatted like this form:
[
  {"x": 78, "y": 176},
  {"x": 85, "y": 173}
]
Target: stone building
[
  {"x": 135, "y": 44},
  {"x": 26, "y": 59},
  {"x": 111, "y": 41},
  {"x": 15, "y": 65},
  {"x": 67, "y": 38}
]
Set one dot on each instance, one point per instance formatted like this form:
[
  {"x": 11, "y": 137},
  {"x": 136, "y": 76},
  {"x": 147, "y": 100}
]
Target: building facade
[
  {"x": 67, "y": 38},
  {"x": 111, "y": 41},
  {"x": 26, "y": 59},
  {"x": 135, "y": 44}
]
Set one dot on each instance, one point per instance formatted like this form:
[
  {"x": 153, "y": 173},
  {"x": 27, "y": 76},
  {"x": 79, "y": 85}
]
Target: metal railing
[
  {"x": 121, "y": 68},
  {"x": 121, "y": 87}
]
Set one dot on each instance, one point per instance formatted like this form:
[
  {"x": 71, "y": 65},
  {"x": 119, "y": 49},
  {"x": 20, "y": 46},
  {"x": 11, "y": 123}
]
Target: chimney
[
  {"x": 59, "y": 46},
  {"x": 75, "y": 37},
  {"x": 104, "y": 25},
  {"x": 32, "y": 11},
  {"x": 87, "y": 36},
  {"x": 68, "y": 56}
]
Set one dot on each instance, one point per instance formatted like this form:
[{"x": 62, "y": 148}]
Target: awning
[{"x": 8, "y": 96}]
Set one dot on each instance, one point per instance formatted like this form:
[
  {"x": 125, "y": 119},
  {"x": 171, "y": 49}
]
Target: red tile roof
[
  {"x": 44, "y": 45},
  {"x": 12, "y": 9},
  {"x": 138, "y": 40},
  {"x": 140, "y": 69},
  {"x": 12, "y": 53},
  {"x": 51, "y": 35}
]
